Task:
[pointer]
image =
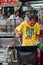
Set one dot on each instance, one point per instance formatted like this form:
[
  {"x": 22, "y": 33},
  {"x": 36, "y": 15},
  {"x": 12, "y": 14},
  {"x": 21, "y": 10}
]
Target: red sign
[
  {"x": 1, "y": 1},
  {"x": 11, "y": 0},
  {"x": 5, "y": 0}
]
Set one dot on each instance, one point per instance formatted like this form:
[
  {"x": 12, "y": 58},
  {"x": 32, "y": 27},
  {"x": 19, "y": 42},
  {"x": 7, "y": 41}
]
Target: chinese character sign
[
  {"x": 11, "y": 0},
  {"x": 1, "y": 1}
]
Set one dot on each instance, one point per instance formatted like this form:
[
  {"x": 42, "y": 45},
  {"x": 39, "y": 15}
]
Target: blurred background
[{"x": 9, "y": 20}]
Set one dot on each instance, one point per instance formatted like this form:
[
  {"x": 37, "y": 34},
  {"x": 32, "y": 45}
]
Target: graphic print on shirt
[{"x": 29, "y": 32}]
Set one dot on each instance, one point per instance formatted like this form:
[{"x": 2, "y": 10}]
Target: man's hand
[
  {"x": 37, "y": 42},
  {"x": 18, "y": 38},
  {"x": 17, "y": 35}
]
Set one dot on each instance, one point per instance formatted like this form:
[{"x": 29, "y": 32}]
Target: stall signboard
[
  {"x": 7, "y": 3},
  {"x": 11, "y": 0},
  {"x": 3, "y": 1}
]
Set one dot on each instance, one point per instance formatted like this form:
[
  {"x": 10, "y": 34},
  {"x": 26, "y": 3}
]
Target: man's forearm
[{"x": 16, "y": 32}]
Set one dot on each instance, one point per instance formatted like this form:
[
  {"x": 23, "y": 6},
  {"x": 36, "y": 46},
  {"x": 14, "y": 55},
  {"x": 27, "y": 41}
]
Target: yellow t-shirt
[{"x": 28, "y": 33}]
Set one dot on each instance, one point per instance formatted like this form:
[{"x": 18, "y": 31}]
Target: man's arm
[
  {"x": 17, "y": 30},
  {"x": 37, "y": 32},
  {"x": 17, "y": 33}
]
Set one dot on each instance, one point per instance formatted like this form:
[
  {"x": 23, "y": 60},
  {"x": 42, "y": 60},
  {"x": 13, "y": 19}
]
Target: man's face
[
  {"x": 17, "y": 14},
  {"x": 32, "y": 22},
  {"x": 27, "y": 15}
]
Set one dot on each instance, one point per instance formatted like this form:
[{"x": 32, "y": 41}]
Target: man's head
[
  {"x": 32, "y": 20},
  {"x": 27, "y": 14},
  {"x": 17, "y": 13}
]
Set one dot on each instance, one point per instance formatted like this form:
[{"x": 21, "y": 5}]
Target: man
[
  {"x": 15, "y": 18},
  {"x": 14, "y": 15},
  {"x": 30, "y": 30},
  {"x": 27, "y": 14}
]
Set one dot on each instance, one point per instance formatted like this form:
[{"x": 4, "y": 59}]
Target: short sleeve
[
  {"x": 37, "y": 29},
  {"x": 20, "y": 27}
]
